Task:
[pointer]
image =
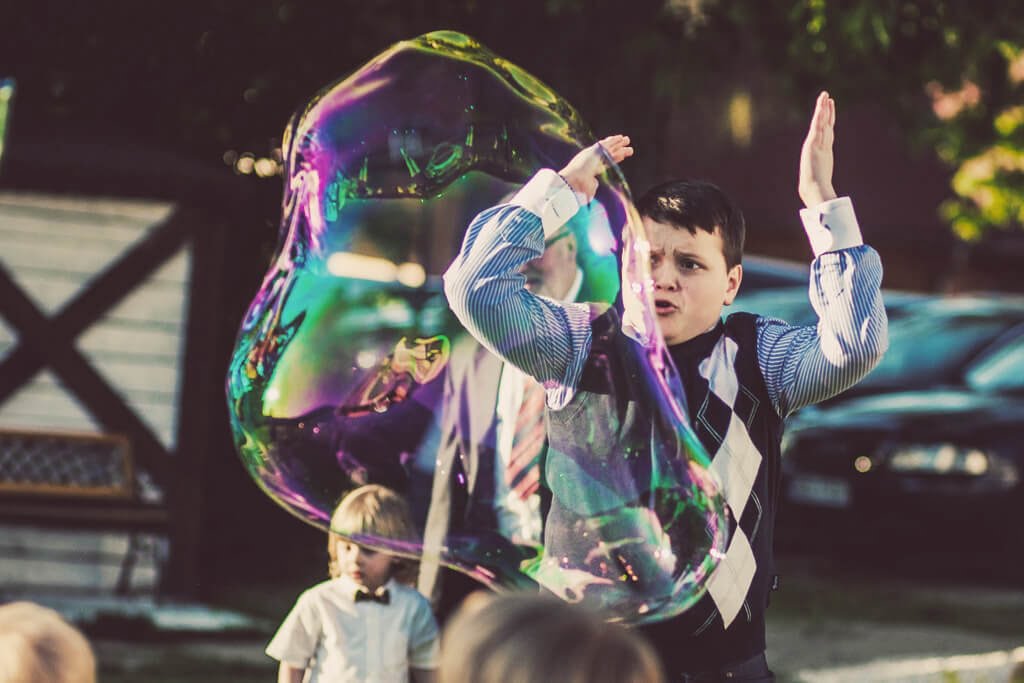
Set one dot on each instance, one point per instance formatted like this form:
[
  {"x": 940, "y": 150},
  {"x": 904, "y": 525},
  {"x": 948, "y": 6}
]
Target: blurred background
[{"x": 139, "y": 201}]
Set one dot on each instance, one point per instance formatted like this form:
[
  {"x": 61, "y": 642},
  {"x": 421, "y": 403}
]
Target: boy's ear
[{"x": 734, "y": 278}]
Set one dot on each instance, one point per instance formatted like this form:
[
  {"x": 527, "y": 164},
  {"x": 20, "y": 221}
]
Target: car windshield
[
  {"x": 793, "y": 305},
  {"x": 761, "y": 273},
  {"x": 927, "y": 349},
  {"x": 789, "y": 305},
  {"x": 1002, "y": 371}
]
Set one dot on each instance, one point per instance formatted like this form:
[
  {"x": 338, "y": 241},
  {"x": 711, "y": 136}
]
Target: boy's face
[
  {"x": 691, "y": 280},
  {"x": 552, "y": 274},
  {"x": 368, "y": 568}
]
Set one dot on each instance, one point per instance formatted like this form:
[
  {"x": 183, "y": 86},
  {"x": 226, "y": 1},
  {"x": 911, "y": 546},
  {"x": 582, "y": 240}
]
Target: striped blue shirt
[{"x": 550, "y": 340}]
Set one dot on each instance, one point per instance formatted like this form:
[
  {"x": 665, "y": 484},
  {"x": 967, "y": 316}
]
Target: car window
[
  {"x": 793, "y": 305},
  {"x": 764, "y": 273},
  {"x": 926, "y": 349},
  {"x": 1000, "y": 371}
]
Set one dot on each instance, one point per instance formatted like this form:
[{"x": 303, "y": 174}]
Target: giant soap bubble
[{"x": 339, "y": 374}]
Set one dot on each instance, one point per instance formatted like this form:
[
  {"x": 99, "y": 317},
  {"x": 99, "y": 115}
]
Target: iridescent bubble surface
[{"x": 338, "y": 375}]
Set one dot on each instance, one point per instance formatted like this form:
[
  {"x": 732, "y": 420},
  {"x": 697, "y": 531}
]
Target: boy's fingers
[
  {"x": 827, "y": 131},
  {"x": 618, "y": 147},
  {"x": 814, "y": 130},
  {"x": 613, "y": 141},
  {"x": 824, "y": 115},
  {"x": 529, "y": 485},
  {"x": 820, "y": 110}
]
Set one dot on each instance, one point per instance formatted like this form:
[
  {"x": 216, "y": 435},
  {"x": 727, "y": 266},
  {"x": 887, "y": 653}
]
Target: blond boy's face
[
  {"x": 691, "y": 280},
  {"x": 367, "y": 568}
]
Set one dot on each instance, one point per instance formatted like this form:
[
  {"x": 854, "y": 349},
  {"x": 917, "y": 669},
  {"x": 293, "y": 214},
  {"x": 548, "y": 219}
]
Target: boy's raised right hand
[
  {"x": 816, "y": 161},
  {"x": 583, "y": 169}
]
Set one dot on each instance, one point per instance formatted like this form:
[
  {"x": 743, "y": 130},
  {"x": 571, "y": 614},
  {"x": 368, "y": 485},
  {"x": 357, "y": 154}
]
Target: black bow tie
[{"x": 383, "y": 597}]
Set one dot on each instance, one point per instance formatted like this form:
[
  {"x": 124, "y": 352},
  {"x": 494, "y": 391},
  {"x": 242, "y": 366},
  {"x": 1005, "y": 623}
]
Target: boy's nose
[{"x": 663, "y": 280}]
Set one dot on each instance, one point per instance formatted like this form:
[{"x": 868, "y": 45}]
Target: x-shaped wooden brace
[{"x": 45, "y": 341}]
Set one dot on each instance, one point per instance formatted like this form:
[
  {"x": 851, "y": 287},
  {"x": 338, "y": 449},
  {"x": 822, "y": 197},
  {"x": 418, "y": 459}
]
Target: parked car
[
  {"x": 929, "y": 449},
  {"x": 766, "y": 273},
  {"x": 793, "y": 304}
]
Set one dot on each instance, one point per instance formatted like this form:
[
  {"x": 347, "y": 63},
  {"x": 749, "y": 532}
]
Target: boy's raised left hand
[
  {"x": 583, "y": 169},
  {"x": 816, "y": 160}
]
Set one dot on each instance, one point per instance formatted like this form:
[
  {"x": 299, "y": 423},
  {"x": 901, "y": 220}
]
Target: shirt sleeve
[
  {"x": 424, "y": 649},
  {"x": 806, "y": 364},
  {"x": 546, "y": 339},
  {"x": 296, "y": 639}
]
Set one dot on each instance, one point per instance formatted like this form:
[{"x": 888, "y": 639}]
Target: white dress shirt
[
  {"x": 551, "y": 340},
  {"x": 343, "y": 641}
]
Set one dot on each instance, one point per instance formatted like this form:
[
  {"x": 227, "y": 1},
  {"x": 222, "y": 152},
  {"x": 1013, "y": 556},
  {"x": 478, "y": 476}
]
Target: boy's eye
[
  {"x": 688, "y": 264},
  {"x": 366, "y": 552}
]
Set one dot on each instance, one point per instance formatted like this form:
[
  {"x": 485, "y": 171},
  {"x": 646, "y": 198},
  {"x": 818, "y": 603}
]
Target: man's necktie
[
  {"x": 522, "y": 474},
  {"x": 383, "y": 597}
]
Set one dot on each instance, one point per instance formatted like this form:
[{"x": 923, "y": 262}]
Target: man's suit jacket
[{"x": 462, "y": 496}]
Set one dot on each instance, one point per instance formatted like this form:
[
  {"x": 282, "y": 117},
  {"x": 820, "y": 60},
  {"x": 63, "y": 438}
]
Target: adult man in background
[{"x": 487, "y": 488}]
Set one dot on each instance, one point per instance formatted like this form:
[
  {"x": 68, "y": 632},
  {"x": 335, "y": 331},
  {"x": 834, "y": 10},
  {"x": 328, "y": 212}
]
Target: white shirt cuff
[
  {"x": 549, "y": 197},
  {"x": 831, "y": 226}
]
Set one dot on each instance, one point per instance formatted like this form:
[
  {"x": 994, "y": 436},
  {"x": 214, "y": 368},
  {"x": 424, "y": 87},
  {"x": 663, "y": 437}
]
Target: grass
[
  {"x": 815, "y": 601},
  {"x": 818, "y": 590},
  {"x": 184, "y": 668},
  {"x": 270, "y": 601},
  {"x": 814, "y": 591},
  {"x": 141, "y": 656}
]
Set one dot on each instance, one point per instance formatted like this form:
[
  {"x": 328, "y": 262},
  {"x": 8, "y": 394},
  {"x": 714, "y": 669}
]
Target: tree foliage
[
  {"x": 953, "y": 72},
  {"x": 949, "y": 72},
  {"x": 216, "y": 78}
]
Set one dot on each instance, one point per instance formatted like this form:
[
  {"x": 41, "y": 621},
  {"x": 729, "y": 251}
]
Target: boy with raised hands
[{"x": 742, "y": 376}]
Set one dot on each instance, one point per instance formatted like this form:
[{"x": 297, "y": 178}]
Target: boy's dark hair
[{"x": 697, "y": 204}]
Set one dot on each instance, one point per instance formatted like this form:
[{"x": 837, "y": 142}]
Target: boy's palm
[
  {"x": 583, "y": 169},
  {"x": 816, "y": 160}
]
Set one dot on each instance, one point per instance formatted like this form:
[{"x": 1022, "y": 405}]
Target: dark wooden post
[{"x": 202, "y": 401}]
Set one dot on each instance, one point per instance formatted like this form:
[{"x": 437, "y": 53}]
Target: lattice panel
[{"x": 65, "y": 464}]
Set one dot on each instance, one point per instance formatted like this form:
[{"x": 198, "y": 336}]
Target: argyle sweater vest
[{"x": 734, "y": 419}]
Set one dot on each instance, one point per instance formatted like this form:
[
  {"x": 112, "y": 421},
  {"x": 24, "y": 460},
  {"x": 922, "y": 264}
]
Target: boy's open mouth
[{"x": 663, "y": 306}]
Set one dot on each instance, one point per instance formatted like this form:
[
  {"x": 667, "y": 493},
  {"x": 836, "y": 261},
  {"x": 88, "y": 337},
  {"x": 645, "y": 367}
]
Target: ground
[{"x": 825, "y": 626}]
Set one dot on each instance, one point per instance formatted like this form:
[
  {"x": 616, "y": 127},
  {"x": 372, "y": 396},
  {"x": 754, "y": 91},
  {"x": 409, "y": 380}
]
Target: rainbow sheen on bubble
[{"x": 338, "y": 377}]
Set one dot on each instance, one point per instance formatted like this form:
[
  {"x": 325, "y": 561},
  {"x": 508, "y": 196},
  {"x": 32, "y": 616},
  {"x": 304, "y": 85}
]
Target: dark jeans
[{"x": 753, "y": 670}]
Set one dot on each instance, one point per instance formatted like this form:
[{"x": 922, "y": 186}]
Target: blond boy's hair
[
  {"x": 376, "y": 511},
  {"x": 38, "y": 646}
]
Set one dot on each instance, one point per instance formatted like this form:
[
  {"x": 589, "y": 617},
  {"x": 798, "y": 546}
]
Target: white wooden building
[{"x": 53, "y": 247}]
